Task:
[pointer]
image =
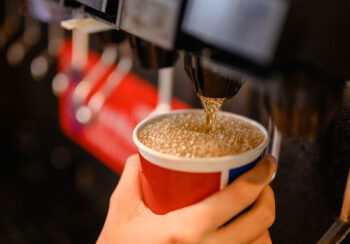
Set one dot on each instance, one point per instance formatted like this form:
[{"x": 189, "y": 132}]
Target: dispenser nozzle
[{"x": 211, "y": 79}]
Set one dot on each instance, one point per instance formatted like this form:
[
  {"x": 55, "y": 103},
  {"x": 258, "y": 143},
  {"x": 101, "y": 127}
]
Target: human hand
[{"x": 130, "y": 221}]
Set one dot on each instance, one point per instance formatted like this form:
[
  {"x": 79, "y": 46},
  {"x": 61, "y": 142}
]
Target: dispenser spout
[{"x": 212, "y": 79}]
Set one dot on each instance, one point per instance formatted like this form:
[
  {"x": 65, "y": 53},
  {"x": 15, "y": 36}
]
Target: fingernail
[{"x": 272, "y": 161}]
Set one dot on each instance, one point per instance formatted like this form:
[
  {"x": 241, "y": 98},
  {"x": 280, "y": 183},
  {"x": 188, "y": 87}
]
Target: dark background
[{"x": 52, "y": 191}]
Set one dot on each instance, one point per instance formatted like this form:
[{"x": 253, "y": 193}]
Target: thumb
[
  {"x": 129, "y": 186},
  {"x": 126, "y": 198}
]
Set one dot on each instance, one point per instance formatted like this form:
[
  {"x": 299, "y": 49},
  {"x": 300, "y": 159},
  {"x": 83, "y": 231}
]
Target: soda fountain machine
[{"x": 296, "y": 52}]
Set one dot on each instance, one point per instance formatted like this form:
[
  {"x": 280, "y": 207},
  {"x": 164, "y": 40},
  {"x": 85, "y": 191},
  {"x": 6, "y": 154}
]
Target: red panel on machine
[{"x": 109, "y": 136}]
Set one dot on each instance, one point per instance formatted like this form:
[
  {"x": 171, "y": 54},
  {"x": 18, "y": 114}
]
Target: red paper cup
[{"x": 171, "y": 182}]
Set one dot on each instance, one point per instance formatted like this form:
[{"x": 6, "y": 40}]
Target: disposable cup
[{"x": 170, "y": 182}]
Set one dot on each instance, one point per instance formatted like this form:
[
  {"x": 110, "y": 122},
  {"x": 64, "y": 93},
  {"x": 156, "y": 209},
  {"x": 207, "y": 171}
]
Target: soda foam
[{"x": 186, "y": 135}]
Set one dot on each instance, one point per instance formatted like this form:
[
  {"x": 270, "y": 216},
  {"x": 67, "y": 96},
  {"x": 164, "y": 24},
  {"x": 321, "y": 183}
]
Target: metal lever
[
  {"x": 274, "y": 147},
  {"x": 81, "y": 28},
  {"x": 86, "y": 114},
  {"x": 41, "y": 64},
  {"x": 31, "y": 36},
  {"x": 82, "y": 90},
  {"x": 341, "y": 227},
  {"x": 80, "y": 49},
  {"x": 165, "y": 87}
]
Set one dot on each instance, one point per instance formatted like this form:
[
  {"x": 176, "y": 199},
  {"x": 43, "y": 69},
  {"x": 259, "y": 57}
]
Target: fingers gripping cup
[{"x": 180, "y": 168}]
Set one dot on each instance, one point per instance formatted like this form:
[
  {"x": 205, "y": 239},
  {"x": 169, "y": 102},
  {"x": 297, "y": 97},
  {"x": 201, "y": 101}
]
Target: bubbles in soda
[{"x": 186, "y": 135}]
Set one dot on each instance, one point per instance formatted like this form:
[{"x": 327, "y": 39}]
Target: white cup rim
[{"x": 209, "y": 164}]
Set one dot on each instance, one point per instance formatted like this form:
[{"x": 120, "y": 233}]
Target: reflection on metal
[
  {"x": 341, "y": 227},
  {"x": 153, "y": 20},
  {"x": 165, "y": 85},
  {"x": 345, "y": 210},
  {"x": 336, "y": 233},
  {"x": 165, "y": 89},
  {"x": 83, "y": 115},
  {"x": 80, "y": 49},
  {"x": 39, "y": 67},
  {"x": 15, "y": 54},
  {"x": 274, "y": 146},
  {"x": 60, "y": 84},
  {"x": 302, "y": 105}
]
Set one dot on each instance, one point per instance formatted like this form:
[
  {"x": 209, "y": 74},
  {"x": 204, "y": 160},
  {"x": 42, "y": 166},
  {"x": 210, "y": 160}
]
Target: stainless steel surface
[
  {"x": 99, "y": 5},
  {"x": 103, "y": 10},
  {"x": 249, "y": 28},
  {"x": 345, "y": 210},
  {"x": 336, "y": 233},
  {"x": 341, "y": 227},
  {"x": 153, "y": 20},
  {"x": 274, "y": 146}
]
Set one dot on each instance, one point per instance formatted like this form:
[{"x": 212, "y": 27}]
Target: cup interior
[{"x": 208, "y": 164}]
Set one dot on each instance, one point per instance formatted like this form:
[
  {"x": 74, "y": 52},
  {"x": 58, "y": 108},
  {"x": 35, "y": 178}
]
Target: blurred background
[{"x": 54, "y": 191}]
